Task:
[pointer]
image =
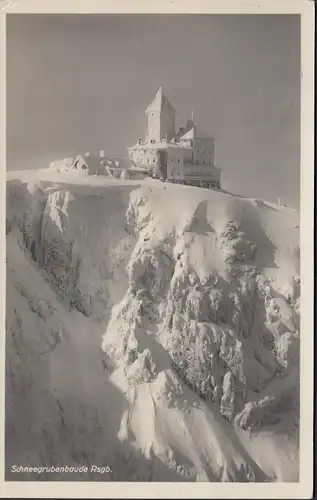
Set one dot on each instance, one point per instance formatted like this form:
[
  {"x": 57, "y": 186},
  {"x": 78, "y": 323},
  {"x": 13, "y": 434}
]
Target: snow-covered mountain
[{"x": 151, "y": 327}]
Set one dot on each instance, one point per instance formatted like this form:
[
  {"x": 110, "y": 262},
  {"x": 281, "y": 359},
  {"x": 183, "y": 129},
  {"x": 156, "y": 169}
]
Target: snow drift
[{"x": 152, "y": 328}]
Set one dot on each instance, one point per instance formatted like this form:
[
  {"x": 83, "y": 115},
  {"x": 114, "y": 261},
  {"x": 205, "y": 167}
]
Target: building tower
[{"x": 161, "y": 119}]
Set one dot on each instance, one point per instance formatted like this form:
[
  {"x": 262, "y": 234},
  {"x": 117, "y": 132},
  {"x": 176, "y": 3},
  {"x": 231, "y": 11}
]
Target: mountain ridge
[{"x": 183, "y": 301}]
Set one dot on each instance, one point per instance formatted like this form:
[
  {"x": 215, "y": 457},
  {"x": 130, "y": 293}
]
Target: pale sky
[{"x": 78, "y": 83}]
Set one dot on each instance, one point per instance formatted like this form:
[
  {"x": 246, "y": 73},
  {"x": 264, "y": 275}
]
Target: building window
[{"x": 152, "y": 141}]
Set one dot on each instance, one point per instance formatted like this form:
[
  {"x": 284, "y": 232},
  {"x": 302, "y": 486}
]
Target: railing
[{"x": 197, "y": 176}]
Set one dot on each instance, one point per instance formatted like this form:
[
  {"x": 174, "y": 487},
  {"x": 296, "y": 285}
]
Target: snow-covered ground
[{"x": 151, "y": 327}]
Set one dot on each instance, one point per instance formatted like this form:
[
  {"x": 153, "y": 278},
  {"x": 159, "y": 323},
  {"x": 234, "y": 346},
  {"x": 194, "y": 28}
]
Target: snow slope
[{"x": 153, "y": 328}]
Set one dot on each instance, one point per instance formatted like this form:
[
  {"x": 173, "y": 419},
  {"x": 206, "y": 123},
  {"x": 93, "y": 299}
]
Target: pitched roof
[
  {"x": 90, "y": 160},
  {"x": 195, "y": 133},
  {"x": 159, "y": 101}
]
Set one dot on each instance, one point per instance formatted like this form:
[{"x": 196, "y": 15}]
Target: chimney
[{"x": 102, "y": 153}]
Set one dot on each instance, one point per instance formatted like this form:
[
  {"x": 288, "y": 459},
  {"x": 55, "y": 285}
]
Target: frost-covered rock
[
  {"x": 148, "y": 330},
  {"x": 25, "y": 207},
  {"x": 287, "y": 349},
  {"x": 124, "y": 175},
  {"x": 142, "y": 369},
  {"x": 228, "y": 398}
]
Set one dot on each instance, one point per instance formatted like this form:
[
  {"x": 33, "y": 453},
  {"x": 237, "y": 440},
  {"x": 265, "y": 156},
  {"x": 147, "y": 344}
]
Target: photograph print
[{"x": 153, "y": 247}]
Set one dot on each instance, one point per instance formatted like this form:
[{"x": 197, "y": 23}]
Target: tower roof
[{"x": 159, "y": 102}]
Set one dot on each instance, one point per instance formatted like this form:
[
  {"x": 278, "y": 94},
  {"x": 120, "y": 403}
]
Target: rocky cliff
[{"x": 153, "y": 328}]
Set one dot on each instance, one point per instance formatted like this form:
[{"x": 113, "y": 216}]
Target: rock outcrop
[{"x": 166, "y": 308}]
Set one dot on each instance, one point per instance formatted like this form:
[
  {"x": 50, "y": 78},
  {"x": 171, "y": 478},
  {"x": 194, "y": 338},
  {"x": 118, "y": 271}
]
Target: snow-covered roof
[
  {"x": 195, "y": 133},
  {"x": 61, "y": 163},
  {"x": 159, "y": 101},
  {"x": 90, "y": 160},
  {"x": 159, "y": 145}
]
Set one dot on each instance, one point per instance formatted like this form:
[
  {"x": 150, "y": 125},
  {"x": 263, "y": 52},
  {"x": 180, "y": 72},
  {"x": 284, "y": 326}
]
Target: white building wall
[
  {"x": 175, "y": 164},
  {"x": 204, "y": 151},
  {"x": 187, "y": 155},
  {"x": 200, "y": 172},
  {"x": 153, "y": 131},
  {"x": 167, "y": 124},
  {"x": 146, "y": 158},
  {"x": 160, "y": 124}
]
